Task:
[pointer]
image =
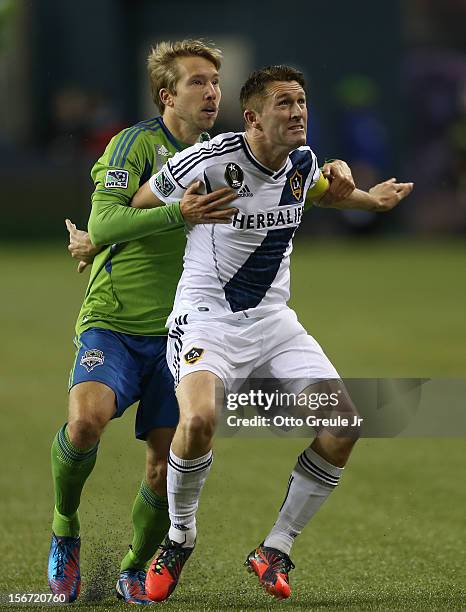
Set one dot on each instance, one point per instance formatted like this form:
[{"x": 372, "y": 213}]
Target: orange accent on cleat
[
  {"x": 164, "y": 571},
  {"x": 160, "y": 586},
  {"x": 271, "y": 566}
]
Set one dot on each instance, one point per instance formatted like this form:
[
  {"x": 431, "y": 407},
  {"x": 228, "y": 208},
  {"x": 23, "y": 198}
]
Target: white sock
[
  {"x": 310, "y": 483},
  {"x": 185, "y": 479}
]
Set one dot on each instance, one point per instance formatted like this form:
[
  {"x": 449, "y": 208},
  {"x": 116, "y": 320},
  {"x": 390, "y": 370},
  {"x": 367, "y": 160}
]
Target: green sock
[
  {"x": 150, "y": 525},
  {"x": 70, "y": 469}
]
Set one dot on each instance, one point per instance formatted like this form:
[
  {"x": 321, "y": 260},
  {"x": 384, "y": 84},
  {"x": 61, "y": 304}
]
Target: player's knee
[
  {"x": 349, "y": 427},
  {"x": 84, "y": 431},
  {"x": 199, "y": 425},
  {"x": 91, "y": 407},
  {"x": 346, "y": 438},
  {"x": 341, "y": 450}
]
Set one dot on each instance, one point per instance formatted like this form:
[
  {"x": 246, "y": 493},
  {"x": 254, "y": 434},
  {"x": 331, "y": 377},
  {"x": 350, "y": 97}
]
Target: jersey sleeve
[
  {"x": 117, "y": 175},
  {"x": 170, "y": 184},
  {"x": 110, "y": 223}
]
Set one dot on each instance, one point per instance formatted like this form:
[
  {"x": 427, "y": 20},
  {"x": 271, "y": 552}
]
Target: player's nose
[
  {"x": 211, "y": 92},
  {"x": 297, "y": 110}
]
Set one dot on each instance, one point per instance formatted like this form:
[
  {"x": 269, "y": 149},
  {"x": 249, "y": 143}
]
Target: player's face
[
  {"x": 284, "y": 114},
  {"x": 198, "y": 92}
]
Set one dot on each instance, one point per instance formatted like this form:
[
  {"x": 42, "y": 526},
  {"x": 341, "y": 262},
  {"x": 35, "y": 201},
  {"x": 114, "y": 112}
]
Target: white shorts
[{"x": 273, "y": 346}]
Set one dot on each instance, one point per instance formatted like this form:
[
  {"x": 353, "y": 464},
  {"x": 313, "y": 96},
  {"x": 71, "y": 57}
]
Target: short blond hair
[{"x": 162, "y": 65}]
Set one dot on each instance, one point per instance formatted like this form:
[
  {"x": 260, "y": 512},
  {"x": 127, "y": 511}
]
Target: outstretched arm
[
  {"x": 380, "y": 198},
  {"x": 340, "y": 180},
  {"x": 335, "y": 180}
]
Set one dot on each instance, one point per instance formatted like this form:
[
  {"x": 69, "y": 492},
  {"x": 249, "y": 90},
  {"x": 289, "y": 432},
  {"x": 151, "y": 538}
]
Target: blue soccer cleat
[
  {"x": 131, "y": 588},
  {"x": 63, "y": 568}
]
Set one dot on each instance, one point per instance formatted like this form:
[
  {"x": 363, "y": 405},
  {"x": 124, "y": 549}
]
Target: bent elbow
[{"x": 94, "y": 234}]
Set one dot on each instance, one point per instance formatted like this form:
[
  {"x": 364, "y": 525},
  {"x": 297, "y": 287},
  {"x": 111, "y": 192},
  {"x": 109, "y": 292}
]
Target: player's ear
[
  {"x": 251, "y": 119},
  {"x": 166, "y": 97}
]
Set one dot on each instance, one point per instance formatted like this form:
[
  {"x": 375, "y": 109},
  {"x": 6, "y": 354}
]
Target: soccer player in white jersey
[{"x": 231, "y": 321}]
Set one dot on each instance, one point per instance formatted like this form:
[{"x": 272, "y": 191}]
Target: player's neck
[
  {"x": 271, "y": 157},
  {"x": 182, "y": 131}
]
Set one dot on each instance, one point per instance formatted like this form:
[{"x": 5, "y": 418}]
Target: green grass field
[{"x": 391, "y": 537}]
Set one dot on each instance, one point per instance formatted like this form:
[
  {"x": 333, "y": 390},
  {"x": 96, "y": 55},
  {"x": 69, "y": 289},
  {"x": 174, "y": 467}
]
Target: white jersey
[{"x": 242, "y": 267}]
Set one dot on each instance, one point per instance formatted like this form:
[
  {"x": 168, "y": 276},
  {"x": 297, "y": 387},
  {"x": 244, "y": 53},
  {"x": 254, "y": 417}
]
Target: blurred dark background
[{"x": 386, "y": 87}]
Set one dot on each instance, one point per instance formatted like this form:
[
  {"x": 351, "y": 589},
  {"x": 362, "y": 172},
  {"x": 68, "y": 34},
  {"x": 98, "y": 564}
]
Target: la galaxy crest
[
  {"x": 296, "y": 184},
  {"x": 193, "y": 355},
  {"x": 234, "y": 175}
]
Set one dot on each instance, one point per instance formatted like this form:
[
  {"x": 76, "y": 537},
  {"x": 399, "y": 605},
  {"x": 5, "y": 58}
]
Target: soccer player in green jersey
[{"x": 120, "y": 331}]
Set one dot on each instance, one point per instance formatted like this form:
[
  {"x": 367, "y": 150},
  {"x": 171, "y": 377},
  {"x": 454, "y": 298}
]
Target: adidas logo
[
  {"x": 162, "y": 150},
  {"x": 245, "y": 192}
]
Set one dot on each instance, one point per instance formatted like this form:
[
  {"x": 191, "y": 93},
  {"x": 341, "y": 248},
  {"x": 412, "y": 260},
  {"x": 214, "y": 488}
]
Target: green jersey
[{"x": 134, "y": 277}]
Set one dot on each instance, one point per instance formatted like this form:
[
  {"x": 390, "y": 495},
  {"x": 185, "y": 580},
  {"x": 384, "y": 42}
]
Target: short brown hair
[
  {"x": 257, "y": 82},
  {"x": 163, "y": 69}
]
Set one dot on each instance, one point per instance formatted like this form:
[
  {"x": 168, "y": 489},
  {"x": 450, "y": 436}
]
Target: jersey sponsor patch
[
  {"x": 234, "y": 175},
  {"x": 193, "y": 355},
  {"x": 116, "y": 178},
  {"x": 269, "y": 220},
  {"x": 92, "y": 358},
  {"x": 163, "y": 184}
]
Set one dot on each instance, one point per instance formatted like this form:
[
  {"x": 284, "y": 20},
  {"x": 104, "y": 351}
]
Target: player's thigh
[
  {"x": 217, "y": 347},
  {"x": 290, "y": 354},
  {"x": 91, "y": 402},
  {"x": 330, "y": 398},
  {"x": 199, "y": 395},
  {"x": 106, "y": 375}
]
